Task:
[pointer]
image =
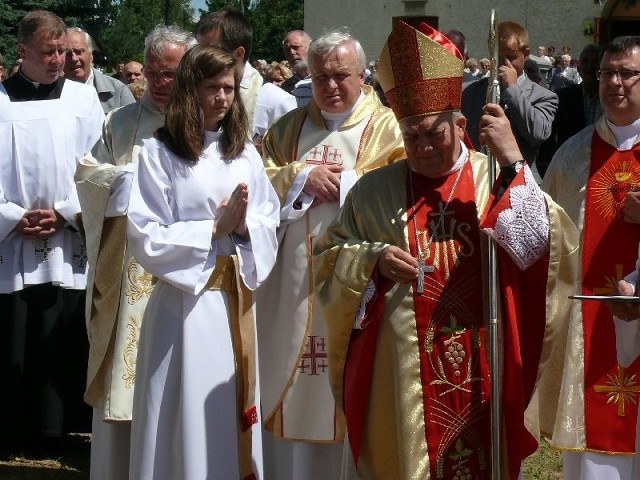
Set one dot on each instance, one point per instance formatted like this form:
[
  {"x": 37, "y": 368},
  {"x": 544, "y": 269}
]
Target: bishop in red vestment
[{"x": 402, "y": 276}]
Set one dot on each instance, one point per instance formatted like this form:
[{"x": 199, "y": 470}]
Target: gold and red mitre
[{"x": 420, "y": 71}]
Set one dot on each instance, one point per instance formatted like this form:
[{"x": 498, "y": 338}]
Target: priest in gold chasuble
[
  {"x": 402, "y": 277},
  {"x": 313, "y": 155}
]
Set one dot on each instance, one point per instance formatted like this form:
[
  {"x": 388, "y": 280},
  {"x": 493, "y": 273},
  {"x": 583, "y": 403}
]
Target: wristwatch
[{"x": 509, "y": 172}]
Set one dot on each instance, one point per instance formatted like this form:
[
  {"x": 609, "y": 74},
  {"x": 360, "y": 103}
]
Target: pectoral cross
[{"x": 422, "y": 269}]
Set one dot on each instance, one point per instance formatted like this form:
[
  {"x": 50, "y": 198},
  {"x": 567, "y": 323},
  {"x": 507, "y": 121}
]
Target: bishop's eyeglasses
[{"x": 624, "y": 75}]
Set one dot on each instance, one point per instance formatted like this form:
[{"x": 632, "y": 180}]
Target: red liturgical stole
[
  {"x": 443, "y": 228},
  {"x": 609, "y": 253}
]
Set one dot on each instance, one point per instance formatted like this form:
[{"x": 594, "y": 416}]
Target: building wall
[{"x": 549, "y": 22}]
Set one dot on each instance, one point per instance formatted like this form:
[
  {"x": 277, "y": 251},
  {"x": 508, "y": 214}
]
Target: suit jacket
[
  {"x": 111, "y": 92},
  {"x": 569, "y": 120},
  {"x": 529, "y": 107}
]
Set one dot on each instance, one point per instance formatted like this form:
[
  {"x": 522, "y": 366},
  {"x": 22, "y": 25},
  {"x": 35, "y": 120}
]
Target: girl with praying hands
[{"x": 202, "y": 220}]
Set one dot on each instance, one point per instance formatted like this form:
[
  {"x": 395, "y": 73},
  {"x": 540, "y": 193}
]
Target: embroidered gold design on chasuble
[
  {"x": 452, "y": 342},
  {"x": 444, "y": 240},
  {"x": 140, "y": 283},
  {"x": 619, "y": 390},
  {"x": 611, "y": 185},
  {"x": 131, "y": 351},
  {"x": 455, "y": 357}
]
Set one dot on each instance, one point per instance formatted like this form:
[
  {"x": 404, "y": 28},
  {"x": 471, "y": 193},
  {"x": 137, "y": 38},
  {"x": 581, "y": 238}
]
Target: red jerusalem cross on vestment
[
  {"x": 324, "y": 155},
  {"x": 314, "y": 357}
]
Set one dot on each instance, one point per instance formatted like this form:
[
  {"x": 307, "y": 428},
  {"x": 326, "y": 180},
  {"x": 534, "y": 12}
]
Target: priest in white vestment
[
  {"x": 118, "y": 287},
  {"x": 46, "y": 125},
  {"x": 594, "y": 176},
  {"x": 313, "y": 156}
]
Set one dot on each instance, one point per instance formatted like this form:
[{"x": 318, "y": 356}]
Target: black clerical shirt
[{"x": 20, "y": 89}]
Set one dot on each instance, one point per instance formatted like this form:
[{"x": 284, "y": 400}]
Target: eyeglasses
[
  {"x": 623, "y": 75},
  {"x": 162, "y": 74}
]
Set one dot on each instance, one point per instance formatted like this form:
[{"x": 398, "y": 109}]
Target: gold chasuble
[
  {"x": 412, "y": 371},
  {"x": 295, "y": 393},
  {"x": 118, "y": 288}
]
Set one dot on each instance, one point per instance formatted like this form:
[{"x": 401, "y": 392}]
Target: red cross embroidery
[
  {"x": 314, "y": 357},
  {"x": 324, "y": 155}
]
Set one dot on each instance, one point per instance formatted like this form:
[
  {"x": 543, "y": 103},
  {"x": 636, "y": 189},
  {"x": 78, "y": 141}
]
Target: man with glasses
[
  {"x": 402, "y": 276},
  {"x": 118, "y": 288},
  {"x": 595, "y": 177},
  {"x": 529, "y": 107}
]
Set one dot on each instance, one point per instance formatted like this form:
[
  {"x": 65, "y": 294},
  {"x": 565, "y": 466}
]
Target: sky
[{"x": 196, "y": 4}]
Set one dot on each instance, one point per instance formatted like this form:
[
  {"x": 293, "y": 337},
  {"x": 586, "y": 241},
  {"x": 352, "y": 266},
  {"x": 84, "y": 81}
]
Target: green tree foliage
[
  {"x": 91, "y": 15},
  {"x": 270, "y": 19},
  {"x": 124, "y": 37},
  {"x": 118, "y": 26}
]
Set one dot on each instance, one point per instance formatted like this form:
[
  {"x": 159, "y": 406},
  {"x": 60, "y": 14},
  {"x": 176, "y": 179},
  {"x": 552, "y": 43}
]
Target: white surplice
[
  {"x": 184, "y": 413},
  {"x": 41, "y": 143}
]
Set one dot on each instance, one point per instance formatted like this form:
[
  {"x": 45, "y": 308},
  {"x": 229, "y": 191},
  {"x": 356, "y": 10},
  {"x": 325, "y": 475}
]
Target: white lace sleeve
[
  {"x": 523, "y": 229},
  {"x": 366, "y": 298}
]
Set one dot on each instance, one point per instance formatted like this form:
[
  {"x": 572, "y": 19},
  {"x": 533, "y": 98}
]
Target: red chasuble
[
  {"x": 609, "y": 253},
  {"x": 450, "y": 324},
  {"x": 451, "y": 331}
]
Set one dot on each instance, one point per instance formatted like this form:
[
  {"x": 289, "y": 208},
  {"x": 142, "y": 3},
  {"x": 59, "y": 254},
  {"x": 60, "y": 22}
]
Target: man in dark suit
[
  {"x": 529, "y": 107},
  {"x": 578, "y": 106}
]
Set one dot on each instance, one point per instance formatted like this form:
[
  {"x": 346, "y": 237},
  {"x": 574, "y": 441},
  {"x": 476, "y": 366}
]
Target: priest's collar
[
  {"x": 247, "y": 74},
  {"x": 464, "y": 155},
  {"x": 35, "y": 84},
  {"x": 22, "y": 89},
  {"x": 334, "y": 120},
  {"x": 626, "y": 135}
]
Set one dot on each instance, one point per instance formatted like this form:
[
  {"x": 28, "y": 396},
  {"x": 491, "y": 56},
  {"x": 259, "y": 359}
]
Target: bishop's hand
[
  {"x": 398, "y": 265},
  {"x": 495, "y": 133}
]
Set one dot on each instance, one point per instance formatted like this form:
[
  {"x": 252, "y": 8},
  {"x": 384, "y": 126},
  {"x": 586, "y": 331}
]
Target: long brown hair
[{"x": 183, "y": 132}]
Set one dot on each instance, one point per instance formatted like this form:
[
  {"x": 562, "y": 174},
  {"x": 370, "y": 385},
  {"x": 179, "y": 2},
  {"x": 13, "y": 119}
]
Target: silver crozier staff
[{"x": 493, "y": 96}]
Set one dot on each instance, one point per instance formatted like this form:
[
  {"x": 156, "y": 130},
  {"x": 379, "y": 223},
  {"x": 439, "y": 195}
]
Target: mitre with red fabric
[{"x": 420, "y": 71}]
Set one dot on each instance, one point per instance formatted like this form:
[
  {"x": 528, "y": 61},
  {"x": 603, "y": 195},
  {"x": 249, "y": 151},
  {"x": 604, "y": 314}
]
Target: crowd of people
[{"x": 282, "y": 271}]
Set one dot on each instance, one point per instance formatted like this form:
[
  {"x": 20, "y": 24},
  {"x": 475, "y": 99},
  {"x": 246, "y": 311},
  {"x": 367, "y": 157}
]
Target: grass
[{"x": 545, "y": 464}]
